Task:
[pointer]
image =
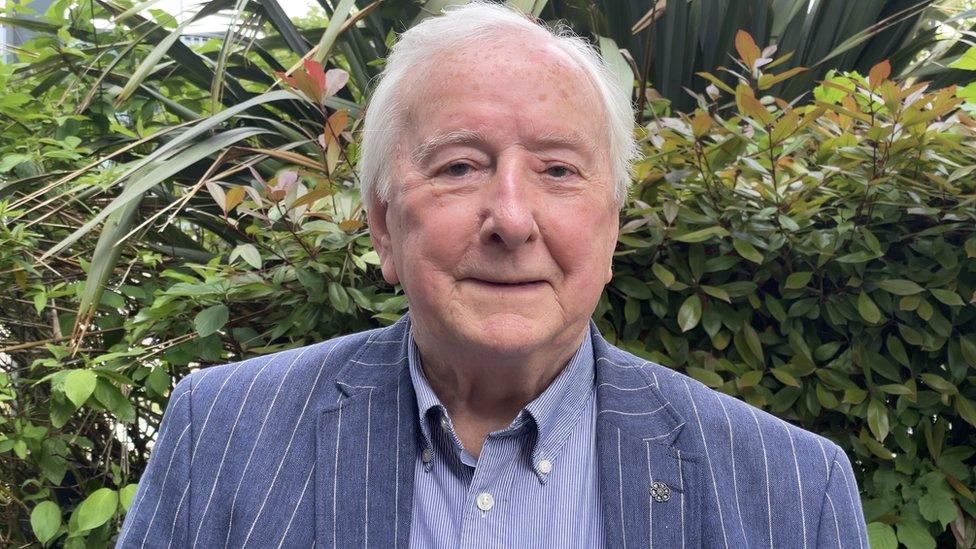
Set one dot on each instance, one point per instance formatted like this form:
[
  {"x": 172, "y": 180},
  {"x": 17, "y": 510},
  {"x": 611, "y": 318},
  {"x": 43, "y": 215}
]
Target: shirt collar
[{"x": 554, "y": 412}]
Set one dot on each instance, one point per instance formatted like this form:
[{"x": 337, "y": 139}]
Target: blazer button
[{"x": 660, "y": 491}]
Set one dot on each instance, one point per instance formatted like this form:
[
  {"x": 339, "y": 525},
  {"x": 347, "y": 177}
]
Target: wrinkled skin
[{"x": 501, "y": 222}]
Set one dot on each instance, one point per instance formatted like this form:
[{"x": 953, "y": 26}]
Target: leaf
[
  {"x": 717, "y": 293},
  {"x": 211, "y": 319},
  {"x": 45, "y": 520},
  {"x": 350, "y": 225},
  {"x": 97, "y": 508},
  {"x": 968, "y": 350},
  {"x": 915, "y": 536},
  {"x": 882, "y": 536},
  {"x": 967, "y": 61},
  {"x": 633, "y": 287},
  {"x": 716, "y": 81},
  {"x": 752, "y": 340},
  {"x": 126, "y": 494},
  {"x": 690, "y": 313},
  {"x": 798, "y": 280},
  {"x": 750, "y": 378},
  {"x": 785, "y": 377},
  {"x": 747, "y": 250},
  {"x": 869, "y": 311},
  {"x": 939, "y": 383},
  {"x": 707, "y": 377},
  {"x": 701, "y": 123},
  {"x": 249, "y": 253},
  {"x": 879, "y": 73},
  {"x": 897, "y": 350},
  {"x": 79, "y": 385},
  {"x": 748, "y": 50},
  {"x": 750, "y": 106},
  {"x": 702, "y": 235},
  {"x": 938, "y": 506},
  {"x": 615, "y": 61},
  {"x": 662, "y": 274},
  {"x": 948, "y": 297},
  {"x": 338, "y": 297},
  {"x": 339, "y": 15},
  {"x": 767, "y": 81},
  {"x": 900, "y": 287},
  {"x": 234, "y": 197},
  {"x": 966, "y": 409},
  {"x": 878, "y": 420}
]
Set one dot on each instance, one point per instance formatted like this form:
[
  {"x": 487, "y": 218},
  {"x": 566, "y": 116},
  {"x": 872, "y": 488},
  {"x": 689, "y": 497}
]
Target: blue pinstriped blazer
[{"x": 316, "y": 446}]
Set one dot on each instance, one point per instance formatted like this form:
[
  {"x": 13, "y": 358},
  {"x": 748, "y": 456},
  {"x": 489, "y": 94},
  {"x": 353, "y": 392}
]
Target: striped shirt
[{"x": 530, "y": 476}]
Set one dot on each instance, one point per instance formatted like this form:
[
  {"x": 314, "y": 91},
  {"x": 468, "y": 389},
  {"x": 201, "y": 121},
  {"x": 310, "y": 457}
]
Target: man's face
[{"x": 501, "y": 222}]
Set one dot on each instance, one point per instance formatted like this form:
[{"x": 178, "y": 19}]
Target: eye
[
  {"x": 559, "y": 171},
  {"x": 458, "y": 169}
]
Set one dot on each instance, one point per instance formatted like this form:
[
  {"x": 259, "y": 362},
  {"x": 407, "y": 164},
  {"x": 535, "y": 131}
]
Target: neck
[{"x": 483, "y": 391}]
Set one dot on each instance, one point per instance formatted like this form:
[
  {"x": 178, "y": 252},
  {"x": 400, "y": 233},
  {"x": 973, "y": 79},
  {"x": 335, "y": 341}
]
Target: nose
[{"x": 509, "y": 213}]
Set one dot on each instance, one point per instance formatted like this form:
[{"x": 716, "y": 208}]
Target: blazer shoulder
[
  {"x": 726, "y": 428},
  {"x": 282, "y": 379},
  {"x": 722, "y": 421}
]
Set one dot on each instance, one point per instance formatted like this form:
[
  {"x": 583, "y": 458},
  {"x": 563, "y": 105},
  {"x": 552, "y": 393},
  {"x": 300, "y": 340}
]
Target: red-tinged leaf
[
  {"x": 701, "y": 122},
  {"x": 350, "y": 225},
  {"x": 287, "y": 79},
  {"x": 336, "y": 125},
  {"x": 234, "y": 197},
  {"x": 747, "y": 48},
  {"x": 750, "y": 106},
  {"x": 879, "y": 73},
  {"x": 316, "y": 75}
]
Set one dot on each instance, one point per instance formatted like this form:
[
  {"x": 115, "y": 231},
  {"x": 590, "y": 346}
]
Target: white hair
[{"x": 485, "y": 24}]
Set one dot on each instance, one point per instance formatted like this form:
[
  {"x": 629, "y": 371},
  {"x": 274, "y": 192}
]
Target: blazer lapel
[
  {"x": 648, "y": 484},
  {"x": 366, "y": 448}
]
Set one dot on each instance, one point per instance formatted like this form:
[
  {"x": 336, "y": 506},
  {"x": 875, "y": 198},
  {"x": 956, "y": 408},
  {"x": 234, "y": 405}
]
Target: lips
[{"x": 507, "y": 283}]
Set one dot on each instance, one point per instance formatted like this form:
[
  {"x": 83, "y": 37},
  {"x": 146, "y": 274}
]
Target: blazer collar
[
  {"x": 368, "y": 442},
  {"x": 648, "y": 471}
]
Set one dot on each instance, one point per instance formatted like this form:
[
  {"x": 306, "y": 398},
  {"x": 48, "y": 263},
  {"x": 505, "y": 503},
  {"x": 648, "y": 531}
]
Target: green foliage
[
  {"x": 673, "y": 42},
  {"x": 817, "y": 260},
  {"x": 164, "y": 208}
]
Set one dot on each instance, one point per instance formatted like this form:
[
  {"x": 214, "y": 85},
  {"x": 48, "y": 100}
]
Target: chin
[{"x": 509, "y": 333}]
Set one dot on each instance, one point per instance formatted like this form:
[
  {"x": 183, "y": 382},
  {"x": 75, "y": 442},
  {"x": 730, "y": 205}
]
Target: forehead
[{"x": 522, "y": 84}]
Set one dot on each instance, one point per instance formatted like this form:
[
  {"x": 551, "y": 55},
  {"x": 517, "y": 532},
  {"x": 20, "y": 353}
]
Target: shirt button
[
  {"x": 544, "y": 466},
  {"x": 485, "y": 501},
  {"x": 427, "y": 455},
  {"x": 444, "y": 424}
]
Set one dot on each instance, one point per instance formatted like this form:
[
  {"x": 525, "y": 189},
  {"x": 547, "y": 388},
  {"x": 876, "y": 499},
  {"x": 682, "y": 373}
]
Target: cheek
[
  {"x": 434, "y": 236},
  {"x": 582, "y": 244}
]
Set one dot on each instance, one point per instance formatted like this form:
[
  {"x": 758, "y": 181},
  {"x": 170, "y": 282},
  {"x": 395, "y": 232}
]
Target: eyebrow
[
  {"x": 552, "y": 140},
  {"x": 421, "y": 153}
]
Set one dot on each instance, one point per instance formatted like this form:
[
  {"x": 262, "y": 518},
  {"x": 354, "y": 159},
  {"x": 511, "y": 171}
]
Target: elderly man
[{"x": 494, "y": 414}]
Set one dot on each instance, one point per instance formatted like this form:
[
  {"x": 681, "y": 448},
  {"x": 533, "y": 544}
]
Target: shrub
[{"x": 817, "y": 261}]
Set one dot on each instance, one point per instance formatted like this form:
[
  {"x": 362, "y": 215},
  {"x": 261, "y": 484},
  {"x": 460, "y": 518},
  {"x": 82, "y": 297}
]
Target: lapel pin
[{"x": 660, "y": 491}]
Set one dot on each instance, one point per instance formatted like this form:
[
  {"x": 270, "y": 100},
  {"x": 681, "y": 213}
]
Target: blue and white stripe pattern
[
  {"x": 537, "y": 471},
  {"x": 317, "y": 447}
]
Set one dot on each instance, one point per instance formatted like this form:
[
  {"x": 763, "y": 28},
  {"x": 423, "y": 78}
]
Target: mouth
[{"x": 508, "y": 285}]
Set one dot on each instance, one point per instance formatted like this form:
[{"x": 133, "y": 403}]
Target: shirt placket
[{"x": 488, "y": 499}]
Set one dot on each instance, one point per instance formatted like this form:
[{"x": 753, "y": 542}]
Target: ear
[{"x": 379, "y": 233}]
